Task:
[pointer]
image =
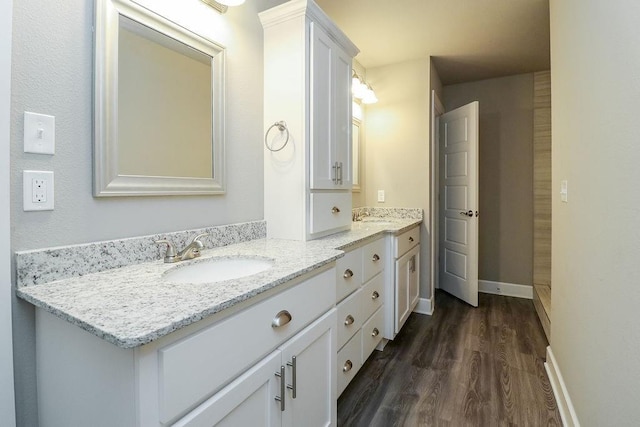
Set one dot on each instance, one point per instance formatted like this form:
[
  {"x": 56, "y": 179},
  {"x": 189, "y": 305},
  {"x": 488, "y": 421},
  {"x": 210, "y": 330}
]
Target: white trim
[
  {"x": 7, "y": 394},
  {"x": 424, "y": 306},
  {"x": 565, "y": 406},
  {"x": 506, "y": 289}
]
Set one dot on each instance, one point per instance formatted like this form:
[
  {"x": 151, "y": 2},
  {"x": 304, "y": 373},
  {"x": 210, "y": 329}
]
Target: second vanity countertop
[{"x": 131, "y": 306}]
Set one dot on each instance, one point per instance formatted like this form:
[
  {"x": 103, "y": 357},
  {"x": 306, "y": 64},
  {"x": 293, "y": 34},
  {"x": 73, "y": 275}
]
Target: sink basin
[
  {"x": 217, "y": 269},
  {"x": 376, "y": 221}
]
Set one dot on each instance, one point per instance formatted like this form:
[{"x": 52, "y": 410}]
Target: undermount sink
[
  {"x": 376, "y": 221},
  {"x": 217, "y": 269}
]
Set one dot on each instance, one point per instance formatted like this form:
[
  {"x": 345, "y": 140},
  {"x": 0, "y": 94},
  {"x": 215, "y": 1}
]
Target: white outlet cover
[
  {"x": 39, "y": 133},
  {"x": 28, "y": 188}
]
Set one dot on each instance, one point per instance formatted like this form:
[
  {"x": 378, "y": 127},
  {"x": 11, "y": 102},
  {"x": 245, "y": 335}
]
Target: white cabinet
[
  {"x": 360, "y": 295},
  {"x": 307, "y": 78},
  {"x": 293, "y": 386},
  {"x": 330, "y": 113},
  {"x": 402, "y": 280},
  {"x": 218, "y": 370}
]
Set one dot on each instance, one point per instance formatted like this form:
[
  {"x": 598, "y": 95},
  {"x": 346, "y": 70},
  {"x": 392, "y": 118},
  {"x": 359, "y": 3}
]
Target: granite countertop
[{"x": 133, "y": 305}]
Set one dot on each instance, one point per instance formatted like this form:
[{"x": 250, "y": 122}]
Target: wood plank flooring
[{"x": 463, "y": 366}]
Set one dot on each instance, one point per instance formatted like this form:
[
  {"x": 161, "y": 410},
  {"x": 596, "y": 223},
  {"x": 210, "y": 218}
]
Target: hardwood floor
[{"x": 463, "y": 366}]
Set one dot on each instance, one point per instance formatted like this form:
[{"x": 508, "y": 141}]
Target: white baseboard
[
  {"x": 506, "y": 289},
  {"x": 565, "y": 407},
  {"x": 424, "y": 306}
]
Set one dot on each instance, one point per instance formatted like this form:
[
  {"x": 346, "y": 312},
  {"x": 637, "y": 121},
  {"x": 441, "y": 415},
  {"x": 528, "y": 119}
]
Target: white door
[
  {"x": 310, "y": 358},
  {"x": 458, "y": 232}
]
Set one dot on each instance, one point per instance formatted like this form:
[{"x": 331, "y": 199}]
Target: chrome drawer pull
[
  {"x": 376, "y": 257},
  {"x": 281, "y": 319},
  {"x": 349, "y": 320},
  {"x": 410, "y": 239},
  {"x": 347, "y": 366},
  {"x": 375, "y": 295},
  {"x": 335, "y": 209},
  {"x": 281, "y": 397},
  {"x": 375, "y": 332},
  {"x": 347, "y": 274}
]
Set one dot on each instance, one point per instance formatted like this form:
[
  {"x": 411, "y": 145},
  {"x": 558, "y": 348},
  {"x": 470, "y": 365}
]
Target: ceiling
[{"x": 469, "y": 39}]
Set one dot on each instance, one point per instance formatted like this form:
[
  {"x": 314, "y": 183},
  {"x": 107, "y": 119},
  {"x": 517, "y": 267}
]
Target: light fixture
[
  {"x": 222, "y": 5},
  {"x": 361, "y": 90}
]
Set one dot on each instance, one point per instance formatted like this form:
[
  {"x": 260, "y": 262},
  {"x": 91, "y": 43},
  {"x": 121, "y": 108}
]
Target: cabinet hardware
[
  {"x": 340, "y": 173},
  {"x": 347, "y": 274},
  {"x": 375, "y": 295},
  {"x": 281, "y": 397},
  {"x": 468, "y": 213},
  {"x": 292, "y": 387},
  {"x": 349, "y": 320},
  {"x": 375, "y": 332},
  {"x": 334, "y": 173},
  {"x": 335, "y": 209},
  {"x": 376, "y": 257},
  {"x": 347, "y": 366},
  {"x": 282, "y": 318},
  {"x": 410, "y": 239}
]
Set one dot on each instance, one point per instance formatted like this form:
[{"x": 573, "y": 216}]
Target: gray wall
[
  {"x": 506, "y": 174},
  {"x": 52, "y": 74}
]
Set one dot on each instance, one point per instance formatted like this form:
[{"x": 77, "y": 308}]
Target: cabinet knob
[
  {"x": 282, "y": 318},
  {"x": 376, "y": 257},
  {"x": 335, "y": 209},
  {"x": 347, "y": 274},
  {"x": 375, "y": 295},
  {"x": 375, "y": 332},
  {"x": 349, "y": 320},
  {"x": 410, "y": 239},
  {"x": 347, "y": 366}
]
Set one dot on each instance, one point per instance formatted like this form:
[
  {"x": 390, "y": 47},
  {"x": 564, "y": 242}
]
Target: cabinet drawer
[
  {"x": 406, "y": 241},
  {"x": 372, "y": 259},
  {"x": 372, "y": 333},
  {"x": 196, "y": 366},
  {"x": 329, "y": 211},
  {"x": 372, "y": 296},
  {"x": 349, "y": 362},
  {"x": 349, "y": 317},
  {"x": 348, "y": 273}
]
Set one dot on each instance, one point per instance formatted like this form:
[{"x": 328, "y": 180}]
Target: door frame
[
  {"x": 7, "y": 393},
  {"x": 437, "y": 109}
]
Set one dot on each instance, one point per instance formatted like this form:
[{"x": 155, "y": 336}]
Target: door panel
[{"x": 458, "y": 272}]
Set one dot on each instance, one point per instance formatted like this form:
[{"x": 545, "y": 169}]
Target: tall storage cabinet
[{"x": 307, "y": 77}]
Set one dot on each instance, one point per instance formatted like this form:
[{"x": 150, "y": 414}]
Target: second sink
[{"x": 217, "y": 269}]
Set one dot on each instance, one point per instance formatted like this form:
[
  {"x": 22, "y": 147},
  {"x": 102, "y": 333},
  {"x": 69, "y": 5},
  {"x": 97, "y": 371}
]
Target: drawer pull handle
[
  {"x": 375, "y": 295},
  {"x": 347, "y": 274},
  {"x": 281, "y": 319},
  {"x": 376, "y": 257},
  {"x": 292, "y": 387},
  {"x": 347, "y": 366},
  {"x": 281, "y": 397},
  {"x": 410, "y": 239},
  {"x": 375, "y": 332},
  {"x": 335, "y": 209},
  {"x": 349, "y": 320}
]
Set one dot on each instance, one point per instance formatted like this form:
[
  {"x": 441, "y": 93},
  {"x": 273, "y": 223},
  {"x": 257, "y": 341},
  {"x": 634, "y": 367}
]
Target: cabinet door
[
  {"x": 314, "y": 368},
  {"x": 342, "y": 117},
  {"x": 414, "y": 278},
  {"x": 402, "y": 291},
  {"x": 322, "y": 163},
  {"x": 247, "y": 401}
]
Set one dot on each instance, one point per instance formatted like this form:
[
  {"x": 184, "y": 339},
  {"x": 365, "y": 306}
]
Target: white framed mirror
[{"x": 158, "y": 106}]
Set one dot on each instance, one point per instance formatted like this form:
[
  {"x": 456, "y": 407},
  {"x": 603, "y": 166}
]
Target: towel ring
[{"x": 282, "y": 127}]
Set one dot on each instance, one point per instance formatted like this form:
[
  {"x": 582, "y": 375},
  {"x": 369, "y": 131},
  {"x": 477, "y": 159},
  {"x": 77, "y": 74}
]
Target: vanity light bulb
[{"x": 369, "y": 96}]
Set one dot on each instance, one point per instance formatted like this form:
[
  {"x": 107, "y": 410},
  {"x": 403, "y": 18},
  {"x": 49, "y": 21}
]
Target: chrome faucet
[{"x": 192, "y": 250}]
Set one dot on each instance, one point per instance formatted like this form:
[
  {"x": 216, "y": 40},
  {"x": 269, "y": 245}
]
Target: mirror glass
[
  {"x": 158, "y": 106},
  {"x": 355, "y": 146}
]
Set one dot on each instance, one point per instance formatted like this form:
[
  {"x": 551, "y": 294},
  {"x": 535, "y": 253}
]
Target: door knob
[{"x": 467, "y": 213}]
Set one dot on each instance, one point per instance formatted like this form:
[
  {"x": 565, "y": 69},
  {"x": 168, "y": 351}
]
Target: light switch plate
[
  {"x": 39, "y": 133},
  {"x": 37, "y": 191},
  {"x": 381, "y": 196},
  {"x": 564, "y": 191}
]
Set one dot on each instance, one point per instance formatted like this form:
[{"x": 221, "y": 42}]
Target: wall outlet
[
  {"x": 381, "y": 196},
  {"x": 37, "y": 189}
]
